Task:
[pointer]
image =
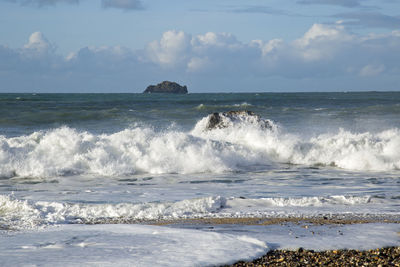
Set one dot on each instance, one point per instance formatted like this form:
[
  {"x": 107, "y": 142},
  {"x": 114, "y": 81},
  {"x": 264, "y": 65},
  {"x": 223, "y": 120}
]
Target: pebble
[{"x": 389, "y": 256}]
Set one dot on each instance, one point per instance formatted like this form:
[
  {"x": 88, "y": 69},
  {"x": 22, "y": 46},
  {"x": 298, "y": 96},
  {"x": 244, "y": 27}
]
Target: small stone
[{"x": 280, "y": 259}]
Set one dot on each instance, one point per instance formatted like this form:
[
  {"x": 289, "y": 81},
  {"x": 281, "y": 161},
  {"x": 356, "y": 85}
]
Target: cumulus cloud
[
  {"x": 224, "y": 52},
  {"x": 41, "y": 3},
  {"x": 324, "y": 52},
  {"x": 103, "y": 61},
  {"x": 37, "y": 57},
  {"x": 198, "y": 64},
  {"x": 332, "y": 51},
  {"x": 171, "y": 50},
  {"x": 38, "y": 45},
  {"x": 321, "y": 32},
  {"x": 316, "y": 43},
  {"x": 123, "y": 4},
  {"x": 211, "y": 39}
]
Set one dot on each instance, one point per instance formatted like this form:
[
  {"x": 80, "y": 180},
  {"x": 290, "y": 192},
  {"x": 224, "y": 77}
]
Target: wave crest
[
  {"x": 22, "y": 215},
  {"x": 239, "y": 146},
  {"x": 18, "y": 214}
]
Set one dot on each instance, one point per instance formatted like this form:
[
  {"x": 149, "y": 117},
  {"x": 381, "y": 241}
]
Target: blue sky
[{"x": 211, "y": 46}]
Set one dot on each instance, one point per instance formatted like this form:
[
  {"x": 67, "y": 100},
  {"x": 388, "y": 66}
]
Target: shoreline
[
  {"x": 323, "y": 220},
  {"x": 384, "y": 256},
  {"x": 388, "y": 256},
  {"x": 261, "y": 221}
]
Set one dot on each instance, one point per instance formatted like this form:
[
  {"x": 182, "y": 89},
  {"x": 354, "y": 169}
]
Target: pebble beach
[
  {"x": 389, "y": 256},
  {"x": 385, "y": 256}
]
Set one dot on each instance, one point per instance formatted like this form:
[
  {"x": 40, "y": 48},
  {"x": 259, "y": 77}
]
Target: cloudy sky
[{"x": 209, "y": 45}]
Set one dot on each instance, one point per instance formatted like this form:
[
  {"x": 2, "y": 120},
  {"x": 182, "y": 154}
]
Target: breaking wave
[
  {"x": 230, "y": 106},
  {"x": 304, "y": 201},
  {"x": 24, "y": 214},
  {"x": 20, "y": 214},
  {"x": 66, "y": 151}
]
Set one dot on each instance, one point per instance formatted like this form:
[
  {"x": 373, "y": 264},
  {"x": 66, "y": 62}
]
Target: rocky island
[{"x": 166, "y": 87}]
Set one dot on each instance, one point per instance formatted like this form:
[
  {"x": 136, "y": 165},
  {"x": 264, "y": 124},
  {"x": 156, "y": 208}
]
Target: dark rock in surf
[
  {"x": 167, "y": 87},
  {"x": 225, "y": 119}
]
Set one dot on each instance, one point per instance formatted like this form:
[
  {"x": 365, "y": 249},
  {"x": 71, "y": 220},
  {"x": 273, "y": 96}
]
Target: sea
[{"x": 84, "y": 178}]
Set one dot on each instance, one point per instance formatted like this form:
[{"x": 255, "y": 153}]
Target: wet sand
[{"x": 276, "y": 220}]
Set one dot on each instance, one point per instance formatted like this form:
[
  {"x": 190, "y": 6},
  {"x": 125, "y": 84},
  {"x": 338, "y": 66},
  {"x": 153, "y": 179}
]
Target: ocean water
[{"x": 69, "y": 161}]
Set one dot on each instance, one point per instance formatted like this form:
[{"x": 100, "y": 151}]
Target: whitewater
[{"x": 82, "y": 174}]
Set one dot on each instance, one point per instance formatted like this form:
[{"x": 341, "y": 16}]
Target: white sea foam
[
  {"x": 126, "y": 245},
  {"x": 322, "y": 237},
  {"x": 243, "y": 105},
  {"x": 19, "y": 214},
  {"x": 65, "y": 151},
  {"x": 201, "y": 106},
  {"x": 147, "y": 245},
  {"x": 354, "y": 151},
  {"x": 302, "y": 201},
  {"x": 238, "y": 105},
  {"x": 23, "y": 214}
]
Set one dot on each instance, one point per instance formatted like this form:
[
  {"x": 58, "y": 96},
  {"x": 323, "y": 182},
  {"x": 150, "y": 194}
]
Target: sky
[{"x": 107, "y": 46}]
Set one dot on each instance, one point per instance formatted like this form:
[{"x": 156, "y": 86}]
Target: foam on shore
[{"x": 23, "y": 214}]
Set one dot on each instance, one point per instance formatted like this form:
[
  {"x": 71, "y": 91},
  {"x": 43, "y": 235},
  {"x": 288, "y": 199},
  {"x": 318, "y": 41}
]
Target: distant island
[{"x": 166, "y": 87}]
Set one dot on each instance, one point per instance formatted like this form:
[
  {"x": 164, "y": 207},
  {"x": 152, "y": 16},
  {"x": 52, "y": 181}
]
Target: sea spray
[
  {"x": 66, "y": 151},
  {"x": 344, "y": 149}
]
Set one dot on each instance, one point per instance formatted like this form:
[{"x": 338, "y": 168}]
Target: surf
[{"x": 242, "y": 143}]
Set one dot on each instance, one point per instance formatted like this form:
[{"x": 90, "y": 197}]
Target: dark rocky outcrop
[
  {"x": 226, "y": 119},
  {"x": 167, "y": 87}
]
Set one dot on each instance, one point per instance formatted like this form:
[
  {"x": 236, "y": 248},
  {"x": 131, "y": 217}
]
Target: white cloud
[
  {"x": 321, "y": 32},
  {"x": 322, "y": 41},
  {"x": 39, "y": 50},
  {"x": 324, "y": 52},
  {"x": 103, "y": 59},
  {"x": 171, "y": 50},
  {"x": 268, "y": 48},
  {"x": 215, "y": 39},
  {"x": 38, "y": 43},
  {"x": 219, "y": 52},
  {"x": 372, "y": 70},
  {"x": 197, "y": 64}
]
